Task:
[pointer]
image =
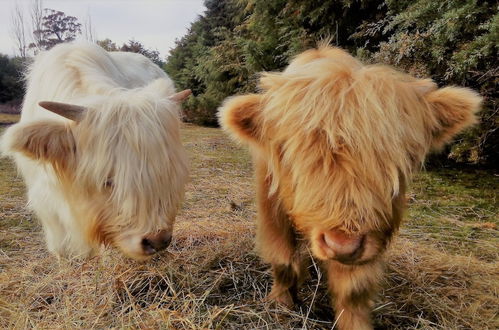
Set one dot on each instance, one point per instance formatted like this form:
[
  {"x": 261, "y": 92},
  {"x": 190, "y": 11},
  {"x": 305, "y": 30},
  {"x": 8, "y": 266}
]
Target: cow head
[
  {"x": 120, "y": 163},
  {"x": 341, "y": 141}
]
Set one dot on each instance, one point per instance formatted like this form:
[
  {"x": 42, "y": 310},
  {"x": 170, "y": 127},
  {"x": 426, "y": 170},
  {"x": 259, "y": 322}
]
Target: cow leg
[
  {"x": 44, "y": 202},
  {"x": 78, "y": 246},
  {"x": 353, "y": 289},
  {"x": 55, "y": 234},
  {"x": 277, "y": 243},
  {"x": 62, "y": 237}
]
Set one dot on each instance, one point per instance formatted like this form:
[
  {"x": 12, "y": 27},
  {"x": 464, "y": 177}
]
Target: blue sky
[{"x": 155, "y": 23}]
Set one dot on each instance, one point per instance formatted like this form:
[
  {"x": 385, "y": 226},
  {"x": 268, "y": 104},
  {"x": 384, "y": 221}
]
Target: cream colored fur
[{"x": 124, "y": 172}]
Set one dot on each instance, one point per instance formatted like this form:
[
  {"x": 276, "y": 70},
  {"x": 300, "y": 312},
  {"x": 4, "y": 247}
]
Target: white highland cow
[{"x": 99, "y": 148}]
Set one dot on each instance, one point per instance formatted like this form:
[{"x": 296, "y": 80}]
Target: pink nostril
[{"x": 340, "y": 245}]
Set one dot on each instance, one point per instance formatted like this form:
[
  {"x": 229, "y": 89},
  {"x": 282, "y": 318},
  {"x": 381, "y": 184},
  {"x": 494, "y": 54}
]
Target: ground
[{"x": 442, "y": 270}]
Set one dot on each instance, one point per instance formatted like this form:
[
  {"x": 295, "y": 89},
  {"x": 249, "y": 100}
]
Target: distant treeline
[
  {"x": 11, "y": 84},
  {"x": 43, "y": 29},
  {"x": 452, "y": 41},
  {"x": 12, "y": 70}
]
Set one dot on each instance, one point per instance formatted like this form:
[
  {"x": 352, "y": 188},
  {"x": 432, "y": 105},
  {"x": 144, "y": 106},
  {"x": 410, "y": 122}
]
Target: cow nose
[
  {"x": 341, "y": 246},
  {"x": 156, "y": 242}
]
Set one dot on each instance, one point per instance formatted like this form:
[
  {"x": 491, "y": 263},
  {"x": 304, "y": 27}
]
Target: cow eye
[{"x": 109, "y": 183}]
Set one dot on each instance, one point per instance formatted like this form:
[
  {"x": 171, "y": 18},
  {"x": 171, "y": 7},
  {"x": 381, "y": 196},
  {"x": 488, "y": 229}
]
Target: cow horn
[
  {"x": 69, "y": 111},
  {"x": 181, "y": 96}
]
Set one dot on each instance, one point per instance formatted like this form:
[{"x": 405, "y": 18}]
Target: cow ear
[
  {"x": 454, "y": 109},
  {"x": 46, "y": 141},
  {"x": 241, "y": 117}
]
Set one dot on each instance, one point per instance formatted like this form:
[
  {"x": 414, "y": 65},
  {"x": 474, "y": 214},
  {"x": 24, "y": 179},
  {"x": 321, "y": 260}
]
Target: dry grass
[
  {"x": 7, "y": 118},
  {"x": 442, "y": 270}
]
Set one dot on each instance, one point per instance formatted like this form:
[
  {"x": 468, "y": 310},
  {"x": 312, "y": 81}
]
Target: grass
[
  {"x": 7, "y": 118},
  {"x": 442, "y": 270}
]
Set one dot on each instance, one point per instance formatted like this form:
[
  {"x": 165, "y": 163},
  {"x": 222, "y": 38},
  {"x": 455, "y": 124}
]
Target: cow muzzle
[
  {"x": 338, "y": 245},
  {"x": 155, "y": 242}
]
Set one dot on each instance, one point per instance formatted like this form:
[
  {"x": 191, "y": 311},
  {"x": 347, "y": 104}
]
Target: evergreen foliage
[
  {"x": 11, "y": 82},
  {"x": 452, "y": 41},
  {"x": 132, "y": 46}
]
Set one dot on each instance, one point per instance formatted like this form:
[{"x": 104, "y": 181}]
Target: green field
[{"x": 442, "y": 272}]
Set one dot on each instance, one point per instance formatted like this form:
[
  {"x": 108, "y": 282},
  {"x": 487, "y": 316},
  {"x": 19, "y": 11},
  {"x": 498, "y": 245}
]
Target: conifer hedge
[{"x": 455, "y": 42}]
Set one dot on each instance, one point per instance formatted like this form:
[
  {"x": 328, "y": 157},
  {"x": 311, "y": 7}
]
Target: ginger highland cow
[{"x": 334, "y": 144}]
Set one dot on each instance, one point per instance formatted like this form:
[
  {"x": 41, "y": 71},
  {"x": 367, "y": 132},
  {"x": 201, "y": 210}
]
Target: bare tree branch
[
  {"x": 36, "y": 14},
  {"x": 88, "y": 29},
  {"x": 18, "y": 30}
]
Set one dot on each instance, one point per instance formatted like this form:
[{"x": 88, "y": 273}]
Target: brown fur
[
  {"x": 48, "y": 141},
  {"x": 277, "y": 241},
  {"x": 335, "y": 143}
]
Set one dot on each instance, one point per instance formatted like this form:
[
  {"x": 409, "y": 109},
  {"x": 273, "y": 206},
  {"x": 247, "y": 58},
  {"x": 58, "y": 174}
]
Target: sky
[{"x": 155, "y": 23}]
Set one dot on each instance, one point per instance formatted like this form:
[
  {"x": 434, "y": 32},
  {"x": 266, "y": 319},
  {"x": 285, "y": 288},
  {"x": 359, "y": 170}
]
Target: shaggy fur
[
  {"x": 116, "y": 175},
  {"x": 335, "y": 143}
]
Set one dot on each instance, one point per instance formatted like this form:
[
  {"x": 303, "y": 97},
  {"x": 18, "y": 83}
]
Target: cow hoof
[{"x": 281, "y": 297}]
